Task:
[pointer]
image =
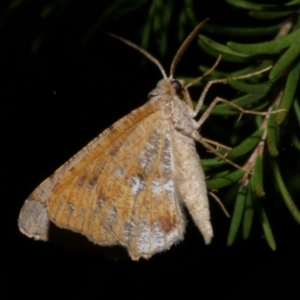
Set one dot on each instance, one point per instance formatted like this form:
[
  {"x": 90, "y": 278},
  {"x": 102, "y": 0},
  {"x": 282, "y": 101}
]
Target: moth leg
[
  {"x": 224, "y": 81},
  {"x": 203, "y": 142},
  {"x": 242, "y": 110},
  {"x": 218, "y": 145},
  {"x": 206, "y": 143},
  {"x": 186, "y": 94},
  {"x": 218, "y": 200}
]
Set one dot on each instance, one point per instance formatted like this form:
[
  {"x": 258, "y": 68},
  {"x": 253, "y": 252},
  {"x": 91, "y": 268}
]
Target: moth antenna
[
  {"x": 184, "y": 46},
  {"x": 144, "y": 52}
]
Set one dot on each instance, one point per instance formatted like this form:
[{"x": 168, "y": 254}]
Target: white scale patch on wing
[
  {"x": 71, "y": 206},
  {"x": 169, "y": 186},
  {"x": 118, "y": 173},
  {"x": 137, "y": 184},
  {"x": 128, "y": 229},
  {"x": 172, "y": 235},
  {"x": 112, "y": 215},
  {"x": 167, "y": 154},
  {"x": 144, "y": 155},
  {"x": 168, "y": 168},
  {"x": 143, "y": 238},
  {"x": 148, "y": 154},
  {"x": 156, "y": 186},
  {"x": 157, "y": 237},
  {"x": 101, "y": 202}
]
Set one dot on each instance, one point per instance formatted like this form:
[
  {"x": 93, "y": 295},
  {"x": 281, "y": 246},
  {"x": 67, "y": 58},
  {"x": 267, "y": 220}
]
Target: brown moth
[{"x": 127, "y": 186}]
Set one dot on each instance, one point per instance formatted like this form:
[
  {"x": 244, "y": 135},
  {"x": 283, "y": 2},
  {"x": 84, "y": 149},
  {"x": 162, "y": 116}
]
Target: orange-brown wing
[
  {"x": 123, "y": 191},
  {"x": 33, "y": 219}
]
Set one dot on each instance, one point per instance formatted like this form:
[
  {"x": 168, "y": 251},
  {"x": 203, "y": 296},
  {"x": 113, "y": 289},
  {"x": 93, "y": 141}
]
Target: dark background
[{"x": 54, "y": 102}]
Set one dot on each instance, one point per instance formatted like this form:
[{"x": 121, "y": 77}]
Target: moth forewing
[
  {"x": 33, "y": 218},
  {"x": 113, "y": 190}
]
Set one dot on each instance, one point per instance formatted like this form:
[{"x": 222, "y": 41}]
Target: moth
[{"x": 128, "y": 185}]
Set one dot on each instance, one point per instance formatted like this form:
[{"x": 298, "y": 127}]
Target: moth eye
[{"x": 177, "y": 86}]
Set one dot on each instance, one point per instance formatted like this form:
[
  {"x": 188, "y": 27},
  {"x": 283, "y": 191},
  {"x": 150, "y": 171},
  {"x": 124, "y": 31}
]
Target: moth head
[{"x": 170, "y": 87}]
